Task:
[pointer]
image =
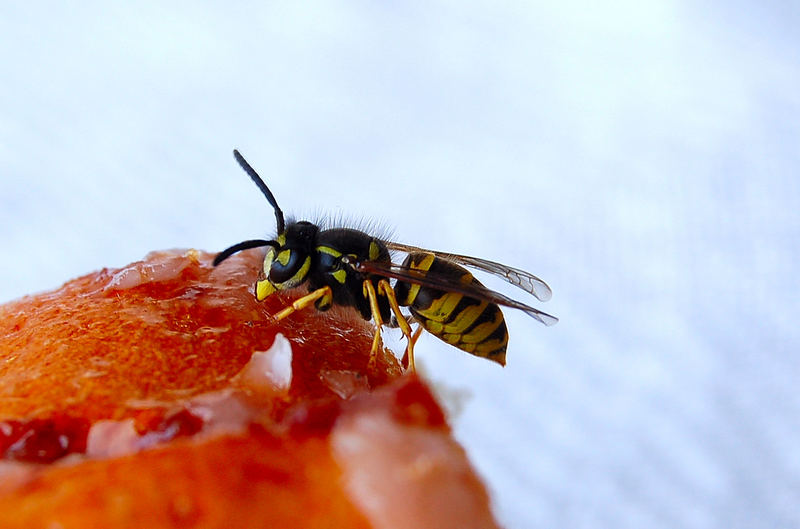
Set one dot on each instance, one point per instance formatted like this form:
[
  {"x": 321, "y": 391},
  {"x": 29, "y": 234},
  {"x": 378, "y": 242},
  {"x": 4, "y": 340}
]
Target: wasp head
[
  {"x": 288, "y": 262},
  {"x": 288, "y": 259}
]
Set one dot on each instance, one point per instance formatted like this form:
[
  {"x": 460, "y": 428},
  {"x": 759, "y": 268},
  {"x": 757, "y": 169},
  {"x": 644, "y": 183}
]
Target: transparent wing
[
  {"x": 449, "y": 284},
  {"x": 519, "y": 278}
]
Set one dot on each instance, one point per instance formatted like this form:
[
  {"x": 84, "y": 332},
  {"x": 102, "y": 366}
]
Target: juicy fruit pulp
[{"x": 162, "y": 394}]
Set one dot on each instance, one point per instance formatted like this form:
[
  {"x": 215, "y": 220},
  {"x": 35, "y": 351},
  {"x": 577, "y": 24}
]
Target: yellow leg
[
  {"x": 303, "y": 302},
  {"x": 411, "y": 343},
  {"x": 409, "y": 358},
  {"x": 369, "y": 291},
  {"x": 385, "y": 289}
]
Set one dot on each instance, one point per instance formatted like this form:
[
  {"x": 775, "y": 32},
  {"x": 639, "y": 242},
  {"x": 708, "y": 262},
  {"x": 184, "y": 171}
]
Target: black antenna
[
  {"x": 245, "y": 245},
  {"x": 264, "y": 189}
]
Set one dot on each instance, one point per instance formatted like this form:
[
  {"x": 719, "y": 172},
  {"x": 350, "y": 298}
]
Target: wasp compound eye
[{"x": 286, "y": 266}]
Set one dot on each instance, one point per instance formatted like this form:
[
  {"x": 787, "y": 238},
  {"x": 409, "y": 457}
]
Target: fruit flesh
[{"x": 143, "y": 395}]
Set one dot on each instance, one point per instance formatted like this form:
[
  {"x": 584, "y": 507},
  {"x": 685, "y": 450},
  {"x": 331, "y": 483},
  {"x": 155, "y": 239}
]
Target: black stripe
[
  {"x": 487, "y": 316},
  {"x": 461, "y": 306},
  {"x": 500, "y": 333}
]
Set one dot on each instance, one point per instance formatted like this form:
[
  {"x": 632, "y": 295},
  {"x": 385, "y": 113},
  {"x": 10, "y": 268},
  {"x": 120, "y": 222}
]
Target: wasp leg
[
  {"x": 414, "y": 339},
  {"x": 408, "y": 359},
  {"x": 303, "y": 302},
  {"x": 386, "y": 289},
  {"x": 369, "y": 291}
]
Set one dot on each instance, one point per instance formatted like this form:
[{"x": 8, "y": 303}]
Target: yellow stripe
[
  {"x": 433, "y": 327},
  {"x": 468, "y": 347},
  {"x": 374, "y": 250},
  {"x": 442, "y": 307},
  {"x": 492, "y": 346},
  {"x": 482, "y": 331},
  {"x": 452, "y": 339},
  {"x": 328, "y": 250},
  {"x": 424, "y": 265},
  {"x": 465, "y": 318},
  {"x": 340, "y": 276}
]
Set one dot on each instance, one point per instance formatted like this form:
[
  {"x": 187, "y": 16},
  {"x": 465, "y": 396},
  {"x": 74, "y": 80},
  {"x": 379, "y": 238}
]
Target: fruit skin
[{"x": 137, "y": 344}]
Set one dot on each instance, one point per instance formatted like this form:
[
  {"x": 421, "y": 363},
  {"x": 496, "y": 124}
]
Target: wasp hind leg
[
  {"x": 408, "y": 358},
  {"x": 305, "y": 301},
  {"x": 385, "y": 289}
]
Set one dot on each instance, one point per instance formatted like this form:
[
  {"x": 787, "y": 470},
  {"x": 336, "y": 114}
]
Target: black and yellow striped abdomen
[{"x": 472, "y": 325}]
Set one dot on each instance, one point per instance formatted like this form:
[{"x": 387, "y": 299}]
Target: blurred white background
[{"x": 641, "y": 157}]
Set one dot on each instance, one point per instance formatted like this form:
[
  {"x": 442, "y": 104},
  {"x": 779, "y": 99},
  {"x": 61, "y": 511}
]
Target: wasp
[{"x": 351, "y": 268}]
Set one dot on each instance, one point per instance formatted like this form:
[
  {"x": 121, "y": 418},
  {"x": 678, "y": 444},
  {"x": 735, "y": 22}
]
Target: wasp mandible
[{"x": 348, "y": 267}]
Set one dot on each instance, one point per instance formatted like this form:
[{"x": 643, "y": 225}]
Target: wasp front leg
[{"x": 304, "y": 302}]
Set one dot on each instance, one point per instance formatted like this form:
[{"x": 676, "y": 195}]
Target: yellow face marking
[
  {"x": 263, "y": 289},
  {"x": 268, "y": 259},
  {"x": 284, "y": 256},
  {"x": 340, "y": 276}
]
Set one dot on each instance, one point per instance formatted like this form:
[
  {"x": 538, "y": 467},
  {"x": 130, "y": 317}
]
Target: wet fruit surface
[
  {"x": 170, "y": 327},
  {"x": 162, "y": 394},
  {"x": 43, "y": 440}
]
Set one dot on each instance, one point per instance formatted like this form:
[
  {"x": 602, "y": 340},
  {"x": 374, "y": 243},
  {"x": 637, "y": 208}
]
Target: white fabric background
[{"x": 642, "y": 157}]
